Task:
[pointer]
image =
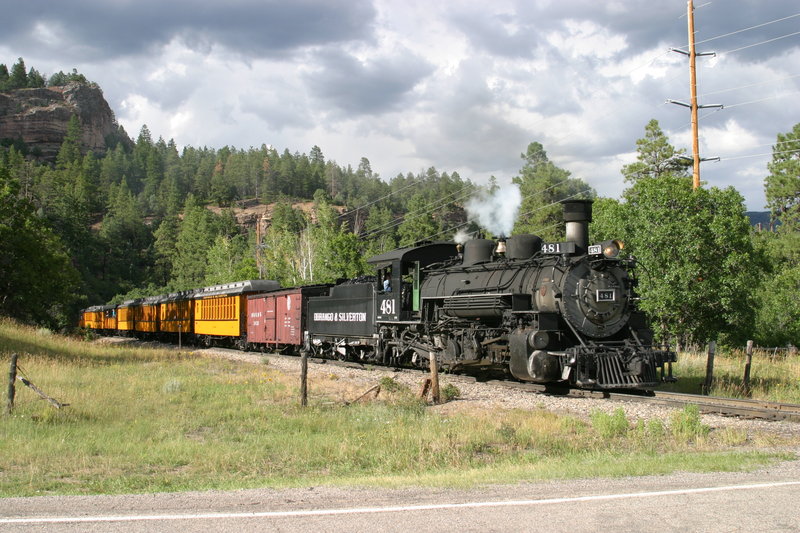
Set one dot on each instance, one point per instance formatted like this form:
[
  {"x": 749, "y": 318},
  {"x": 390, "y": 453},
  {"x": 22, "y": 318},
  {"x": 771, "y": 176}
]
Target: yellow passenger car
[
  {"x": 125, "y": 316},
  {"x": 175, "y": 312},
  {"x": 109, "y": 319},
  {"x": 146, "y": 316},
  {"x": 220, "y": 312},
  {"x": 92, "y": 317}
]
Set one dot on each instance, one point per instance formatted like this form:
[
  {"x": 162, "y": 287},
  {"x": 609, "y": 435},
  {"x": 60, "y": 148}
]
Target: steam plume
[
  {"x": 496, "y": 212},
  {"x": 461, "y": 237}
]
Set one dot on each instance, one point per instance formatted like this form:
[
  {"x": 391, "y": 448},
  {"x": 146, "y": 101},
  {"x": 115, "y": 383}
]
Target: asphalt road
[{"x": 766, "y": 500}]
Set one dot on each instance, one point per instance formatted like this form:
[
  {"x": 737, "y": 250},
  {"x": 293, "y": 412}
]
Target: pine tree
[
  {"x": 128, "y": 242},
  {"x": 543, "y": 185},
  {"x": 418, "y": 223},
  {"x": 35, "y": 80},
  {"x": 656, "y": 157},
  {"x": 3, "y": 77},
  {"x": 195, "y": 236},
  {"x": 19, "y": 77},
  {"x": 69, "y": 155}
]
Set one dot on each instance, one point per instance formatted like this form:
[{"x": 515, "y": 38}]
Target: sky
[{"x": 457, "y": 85}]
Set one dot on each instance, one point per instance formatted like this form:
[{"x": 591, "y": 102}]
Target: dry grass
[
  {"x": 774, "y": 379},
  {"x": 143, "y": 420}
]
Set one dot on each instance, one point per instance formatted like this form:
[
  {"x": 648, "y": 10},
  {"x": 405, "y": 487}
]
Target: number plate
[
  {"x": 606, "y": 295},
  {"x": 595, "y": 249},
  {"x": 558, "y": 248}
]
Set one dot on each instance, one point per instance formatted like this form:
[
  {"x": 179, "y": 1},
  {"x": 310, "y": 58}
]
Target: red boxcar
[{"x": 276, "y": 318}]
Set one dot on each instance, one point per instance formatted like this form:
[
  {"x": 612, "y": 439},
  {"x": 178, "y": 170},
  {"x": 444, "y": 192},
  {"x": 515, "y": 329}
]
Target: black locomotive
[{"x": 545, "y": 312}]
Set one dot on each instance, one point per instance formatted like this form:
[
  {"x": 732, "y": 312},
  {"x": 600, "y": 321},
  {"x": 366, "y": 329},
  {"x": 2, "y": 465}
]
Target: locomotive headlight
[
  {"x": 538, "y": 339},
  {"x": 611, "y": 249}
]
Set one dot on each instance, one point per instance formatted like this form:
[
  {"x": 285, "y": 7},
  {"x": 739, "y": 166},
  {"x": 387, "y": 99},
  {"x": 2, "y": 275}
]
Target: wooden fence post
[
  {"x": 434, "y": 378},
  {"x": 747, "y": 363},
  {"x": 304, "y": 378},
  {"x": 712, "y": 347},
  {"x": 12, "y": 378}
]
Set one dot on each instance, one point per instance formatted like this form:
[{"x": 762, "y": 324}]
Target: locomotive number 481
[{"x": 387, "y": 307}]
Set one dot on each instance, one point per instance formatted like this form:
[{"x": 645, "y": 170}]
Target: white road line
[{"x": 372, "y": 510}]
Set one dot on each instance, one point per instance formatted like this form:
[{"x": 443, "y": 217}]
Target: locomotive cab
[{"x": 402, "y": 302}]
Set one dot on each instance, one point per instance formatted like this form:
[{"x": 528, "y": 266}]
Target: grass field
[
  {"x": 772, "y": 377},
  {"x": 143, "y": 420}
]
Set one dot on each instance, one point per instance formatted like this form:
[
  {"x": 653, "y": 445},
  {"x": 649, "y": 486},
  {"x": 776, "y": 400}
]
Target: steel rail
[
  {"x": 735, "y": 407},
  {"x": 740, "y": 407}
]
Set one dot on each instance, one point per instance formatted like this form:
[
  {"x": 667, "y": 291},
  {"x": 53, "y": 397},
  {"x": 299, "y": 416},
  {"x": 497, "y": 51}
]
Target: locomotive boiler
[{"x": 543, "y": 312}]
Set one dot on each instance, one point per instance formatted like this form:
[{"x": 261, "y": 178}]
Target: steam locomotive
[{"x": 543, "y": 312}]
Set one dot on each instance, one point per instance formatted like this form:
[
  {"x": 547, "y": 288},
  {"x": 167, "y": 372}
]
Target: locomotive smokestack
[{"x": 577, "y": 215}]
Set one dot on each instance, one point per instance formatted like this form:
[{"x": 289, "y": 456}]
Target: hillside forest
[{"x": 149, "y": 218}]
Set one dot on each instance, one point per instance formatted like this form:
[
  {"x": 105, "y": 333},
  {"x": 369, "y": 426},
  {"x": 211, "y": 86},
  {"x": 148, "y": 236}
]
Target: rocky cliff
[{"x": 40, "y": 116}]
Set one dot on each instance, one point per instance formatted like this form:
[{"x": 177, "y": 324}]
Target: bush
[
  {"x": 389, "y": 384},
  {"x": 450, "y": 392},
  {"x": 610, "y": 425},
  {"x": 685, "y": 425}
]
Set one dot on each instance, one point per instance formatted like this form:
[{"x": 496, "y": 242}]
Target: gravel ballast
[{"x": 483, "y": 396}]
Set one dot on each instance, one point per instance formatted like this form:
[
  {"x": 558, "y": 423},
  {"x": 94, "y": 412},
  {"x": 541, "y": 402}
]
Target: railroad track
[
  {"x": 735, "y": 407},
  {"x": 742, "y": 408}
]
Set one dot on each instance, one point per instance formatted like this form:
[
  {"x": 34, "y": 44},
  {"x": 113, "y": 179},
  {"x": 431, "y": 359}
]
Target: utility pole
[
  {"x": 692, "y": 54},
  {"x": 693, "y": 96}
]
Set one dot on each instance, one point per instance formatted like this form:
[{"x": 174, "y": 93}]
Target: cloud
[
  {"x": 412, "y": 84},
  {"x": 367, "y": 86},
  {"x": 91, "y": 29}
]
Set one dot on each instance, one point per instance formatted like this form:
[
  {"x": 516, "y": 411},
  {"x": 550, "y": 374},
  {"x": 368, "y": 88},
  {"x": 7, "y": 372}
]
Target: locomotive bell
[
  {"x": 501, "y": 246},
  {"x": 577, "y": 215}
]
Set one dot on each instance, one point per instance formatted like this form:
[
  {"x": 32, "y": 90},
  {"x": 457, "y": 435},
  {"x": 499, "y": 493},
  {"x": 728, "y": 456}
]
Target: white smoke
[
  {"x": 496, "y": 212},
  {"x": 462, "y": 236}
]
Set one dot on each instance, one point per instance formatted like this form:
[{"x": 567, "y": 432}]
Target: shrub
[
  {"x": 450, "y": 392},
  {"x": 389, "y": 384},
  {"x": 685, "y": 425},
  {"x": 610, "y": 425}
]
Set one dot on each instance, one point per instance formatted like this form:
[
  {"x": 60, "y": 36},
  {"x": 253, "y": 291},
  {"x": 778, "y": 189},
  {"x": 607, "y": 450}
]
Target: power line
[
  {"x": 767, "y": 82},
  {"x": 443, "y": 203},
  {"x": 433, "y": 206},
  {"x": 772, "y": 144},
  {"x": 469, "y": 221},
  {"x": 570, "y": 132},
  {"x": 762, "y": 99},
  {"x": 759, "y": 155},
  {"x": 413, "y": 183},
  {"x": 759, "y": 44},
  {"x": 474, "y": 219},
  {"x": 748, "y": 28}
]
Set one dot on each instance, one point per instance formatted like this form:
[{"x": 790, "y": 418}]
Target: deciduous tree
[{"x": 37, "y": 280}]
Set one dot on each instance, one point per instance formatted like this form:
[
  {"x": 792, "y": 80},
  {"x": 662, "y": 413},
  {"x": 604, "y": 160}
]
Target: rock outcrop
[{"x": 40, "y": 116}]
